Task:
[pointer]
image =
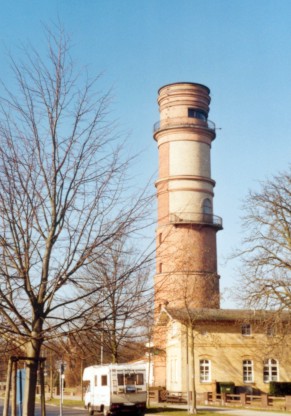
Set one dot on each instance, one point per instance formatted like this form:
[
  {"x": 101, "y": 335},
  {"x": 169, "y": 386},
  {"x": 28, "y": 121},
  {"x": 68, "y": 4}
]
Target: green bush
[
  {"x": 225, "y": 387},
  {"x": 278, "y": 388}
]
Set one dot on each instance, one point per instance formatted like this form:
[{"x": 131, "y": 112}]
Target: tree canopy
[{"x": 266, "y": 251}]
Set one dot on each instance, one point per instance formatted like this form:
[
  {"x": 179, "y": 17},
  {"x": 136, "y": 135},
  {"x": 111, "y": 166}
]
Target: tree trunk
[
  {"x": 8, "y": 388},
  {"x": 193, "y": 409},
  {"x": 33, "y": 353},
  {"x": 13, "y": 390}
]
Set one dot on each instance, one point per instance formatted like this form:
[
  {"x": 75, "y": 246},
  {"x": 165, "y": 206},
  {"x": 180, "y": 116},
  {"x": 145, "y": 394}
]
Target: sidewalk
[
  {"x": 243, "y": 412},
  {"x": 230, "y": 410}
]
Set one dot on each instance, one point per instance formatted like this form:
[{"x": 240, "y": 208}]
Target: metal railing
[
  {"x": 195, "y": 218},
  {"x": 183, "y": 122}
]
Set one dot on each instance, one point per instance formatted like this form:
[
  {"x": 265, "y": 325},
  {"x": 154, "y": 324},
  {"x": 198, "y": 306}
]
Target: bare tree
[
  {"x": 266, "y": 252},
  {"x": 126, "y": 297},
  {"x": 119, "y": 327},
  {"x": 63, "y": 200}
]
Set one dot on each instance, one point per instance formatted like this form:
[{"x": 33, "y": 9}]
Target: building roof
[{"x": 189, "y": 316}]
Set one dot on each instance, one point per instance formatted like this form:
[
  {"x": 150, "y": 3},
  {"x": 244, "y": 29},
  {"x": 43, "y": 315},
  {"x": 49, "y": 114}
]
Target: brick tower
[{"x": 186, "y": 229}]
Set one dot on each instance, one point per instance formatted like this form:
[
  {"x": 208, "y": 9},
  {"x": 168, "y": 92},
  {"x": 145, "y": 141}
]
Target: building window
[
  {"x": 204, "y": 368},
  {"x": 103, "y": 380},
  {"x": 160, "y": 267},
  {"x": 270, "y": 370},
  {"x": 173, "y": 369},
  {"x": 270, "y": 331},
  {"x": 194, "y": 113},
  {"x": 248, "y": 373},
  {"x": 246, "y": 329},
  {"x": 175, "y": 330},
  {"x": 160, "y": 238}
]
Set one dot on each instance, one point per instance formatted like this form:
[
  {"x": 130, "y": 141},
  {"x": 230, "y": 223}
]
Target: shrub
[{"x": 278, "y": 388}]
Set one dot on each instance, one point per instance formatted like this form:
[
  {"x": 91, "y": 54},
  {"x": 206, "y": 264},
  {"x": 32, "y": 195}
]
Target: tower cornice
[{"x": 185, "y": 177}]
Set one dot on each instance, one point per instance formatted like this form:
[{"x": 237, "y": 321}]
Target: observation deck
[
  {"x": 198, "y": 218},
  {"x": 181, "y": 122}
]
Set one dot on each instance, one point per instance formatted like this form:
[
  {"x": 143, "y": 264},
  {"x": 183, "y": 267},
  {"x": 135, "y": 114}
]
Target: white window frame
[
  {"x": 246, "y": 330},
  {"x": 175, "y": 329},
  {"x": 271, "y": 370},
  {"x": 173, "y": 369},
  {"x": 270, "y": 331},
  {"x": 248, "y": 371},
  {"x": 205, "y": 370}
]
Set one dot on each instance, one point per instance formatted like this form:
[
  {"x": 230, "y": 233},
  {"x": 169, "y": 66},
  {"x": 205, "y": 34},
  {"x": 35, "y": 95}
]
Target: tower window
[
  {"x": 207, "y": 206},
  {"x": 160, "y": 267},
  {"x": 194, "y": 113}
]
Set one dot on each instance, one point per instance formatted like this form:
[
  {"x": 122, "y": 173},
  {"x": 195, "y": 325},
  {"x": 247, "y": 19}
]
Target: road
[
  {"x": 55, "y": 411},
  {"x": 67, "y": 411}
]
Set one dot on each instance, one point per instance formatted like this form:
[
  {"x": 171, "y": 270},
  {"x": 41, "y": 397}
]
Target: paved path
[
  {"x": 242, "y": 412},
  {"x": 234, "y": 411}
]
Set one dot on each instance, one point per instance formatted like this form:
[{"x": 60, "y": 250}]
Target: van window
[
  {"x": 130, "y": 379},
  {"x": 95, "y": 381},
  {"x": 139, "y": 379},
  {"x": 120, "y": 379},
  {"x": 103, "y": 380}
]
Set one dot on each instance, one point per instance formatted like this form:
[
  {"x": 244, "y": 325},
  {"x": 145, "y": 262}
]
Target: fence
[
  {"x": 243, "y": 399},
  {"x": 224, "y": 399}
]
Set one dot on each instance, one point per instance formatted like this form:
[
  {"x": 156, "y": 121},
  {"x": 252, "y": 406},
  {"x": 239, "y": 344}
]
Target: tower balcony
[
  {"x": 181, "y": 122},
  {"x": 198, "y": 218}
]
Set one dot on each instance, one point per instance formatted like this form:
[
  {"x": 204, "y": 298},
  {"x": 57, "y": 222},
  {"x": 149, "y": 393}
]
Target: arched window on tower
[{"x": 207, "y": 210}]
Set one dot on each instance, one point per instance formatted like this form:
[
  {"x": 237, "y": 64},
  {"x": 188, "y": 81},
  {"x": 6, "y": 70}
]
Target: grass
[
  {"x": 66, "y": 402},
  {"x": 175, "y": 412}
]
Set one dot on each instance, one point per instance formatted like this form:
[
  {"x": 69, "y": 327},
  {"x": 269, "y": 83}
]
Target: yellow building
[{"x": 238, "y": 346}]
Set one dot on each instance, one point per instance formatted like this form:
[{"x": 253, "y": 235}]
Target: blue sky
[{"x": 240, "y": 49}]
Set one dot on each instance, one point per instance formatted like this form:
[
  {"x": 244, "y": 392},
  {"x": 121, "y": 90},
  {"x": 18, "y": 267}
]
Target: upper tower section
[
  {"x": 184, "y": 104},
  {"x": 184, "y": 136}
]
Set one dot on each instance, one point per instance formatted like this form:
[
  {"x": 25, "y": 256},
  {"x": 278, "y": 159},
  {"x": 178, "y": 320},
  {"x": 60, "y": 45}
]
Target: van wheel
[{"x": 90, "y": 410}]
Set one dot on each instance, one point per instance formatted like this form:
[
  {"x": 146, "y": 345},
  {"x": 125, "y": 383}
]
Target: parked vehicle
[{"x": 116, "y": 388}]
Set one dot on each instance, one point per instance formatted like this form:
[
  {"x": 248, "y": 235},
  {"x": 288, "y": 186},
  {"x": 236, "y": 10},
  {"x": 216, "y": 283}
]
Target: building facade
[{"x": 224, "y": 346}]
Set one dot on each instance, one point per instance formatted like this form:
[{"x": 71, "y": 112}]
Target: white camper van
[{"x": 116, "y": 389}]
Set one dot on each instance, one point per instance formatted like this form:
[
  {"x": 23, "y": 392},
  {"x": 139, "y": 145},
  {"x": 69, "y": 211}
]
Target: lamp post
[{"x": 62, "y": 377}]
